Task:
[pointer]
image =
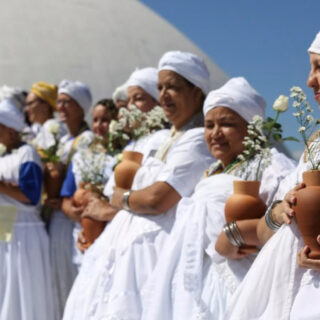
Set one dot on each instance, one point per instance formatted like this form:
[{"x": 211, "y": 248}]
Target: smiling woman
[
  {"x": 224, "y": 133},
  {"x": 123, "y": 257},
  {"x": 192, "y": 278}
]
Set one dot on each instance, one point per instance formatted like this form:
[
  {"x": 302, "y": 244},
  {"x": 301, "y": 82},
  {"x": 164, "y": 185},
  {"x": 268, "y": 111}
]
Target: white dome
[{"x": 99, "y": 42}]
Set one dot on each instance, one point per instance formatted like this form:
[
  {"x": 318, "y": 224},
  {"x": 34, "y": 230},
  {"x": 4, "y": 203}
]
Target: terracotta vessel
[
  {"x": 91, "y": 228},
  {"x": 125, "y": 171},
  {"x": 307, "y": 211},
  {"x": 245, "y": 203},
  {"x": 53, "y": 175}
]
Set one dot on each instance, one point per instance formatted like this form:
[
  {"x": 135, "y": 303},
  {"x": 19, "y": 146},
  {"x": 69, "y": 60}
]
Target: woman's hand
[
  {"x": 283, "y": 212},
  {"x": 82, "y": 243},
  {"x": 99, "y": 210},
  {"x": 226, "y": 249},
  {"x": 71, "y": 209},
  {"x": 305, "y": 262}
]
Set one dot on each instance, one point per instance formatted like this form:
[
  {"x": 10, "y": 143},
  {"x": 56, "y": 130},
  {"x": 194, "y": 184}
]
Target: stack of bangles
[
  {"x": 273, "y": 225},
  {"x": 233, "y": 234}
]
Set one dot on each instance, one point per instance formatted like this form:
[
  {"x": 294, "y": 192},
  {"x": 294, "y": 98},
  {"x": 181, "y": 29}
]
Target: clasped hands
[{"x": 284, "y": 213}]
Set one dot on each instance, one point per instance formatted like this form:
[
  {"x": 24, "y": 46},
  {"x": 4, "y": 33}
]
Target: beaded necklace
[{"x": 217, "y": 167}]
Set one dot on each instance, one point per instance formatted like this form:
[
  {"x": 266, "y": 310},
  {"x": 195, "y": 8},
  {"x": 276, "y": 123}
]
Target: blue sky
[{"x": 264, "y": 41}]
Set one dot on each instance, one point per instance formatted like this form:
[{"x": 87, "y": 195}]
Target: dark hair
[{"x": 110, "y": 106}]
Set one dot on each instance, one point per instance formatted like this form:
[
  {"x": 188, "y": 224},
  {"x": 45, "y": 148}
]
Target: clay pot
[
  {"x": 91, "y": 228},
  {"x": 307, "y": 211},
  {"x": 245, "y": 203},
  {"x": 125, "y": 171},
  {"x": 53, "y": 176}
]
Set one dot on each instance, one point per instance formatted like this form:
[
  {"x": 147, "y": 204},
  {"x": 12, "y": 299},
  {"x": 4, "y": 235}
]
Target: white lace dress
[
  {"x": 61, "y": 239},
  {"x": 25, "y": 277},
  {"x": 276, "y": 287},
  {"x": 116, "y": 268},
  {"x": 191, "y": 280}
]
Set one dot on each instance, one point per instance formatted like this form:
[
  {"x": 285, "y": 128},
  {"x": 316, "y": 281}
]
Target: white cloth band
[
  {"x": 239, "y": 96},
  {"x": 147, "y": 79},
  {"x": 187, "y": 65},
  {"x": 78, "y": 91}
]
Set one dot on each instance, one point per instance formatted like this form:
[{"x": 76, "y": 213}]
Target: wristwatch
[{"x": 125, "y": 200}]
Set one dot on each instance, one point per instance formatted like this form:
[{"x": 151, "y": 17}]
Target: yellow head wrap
[{"x": 47, "y": 92}]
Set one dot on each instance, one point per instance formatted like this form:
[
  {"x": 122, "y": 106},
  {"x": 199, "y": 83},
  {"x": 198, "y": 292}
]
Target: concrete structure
[{"x": 97, "y": 41}]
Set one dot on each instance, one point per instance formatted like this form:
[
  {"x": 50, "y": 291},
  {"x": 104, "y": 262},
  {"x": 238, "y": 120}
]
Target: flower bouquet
[
  {"x": 308, "y": 199},
  {"x": 246, "y": 203},
  {"x": 92, "y": 166}
]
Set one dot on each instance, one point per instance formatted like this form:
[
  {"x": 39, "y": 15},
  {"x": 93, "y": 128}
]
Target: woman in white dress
[
  {"x": 142, "y": 87},
  {"x": 26, "y": 280},
  {"x": 74, "y": 101},
  {"x": 103, "y": 114},
  {"x": 192, "y": 279},
  {"x": 289, "y": 291},
  {"x": 117, "y": 266}
]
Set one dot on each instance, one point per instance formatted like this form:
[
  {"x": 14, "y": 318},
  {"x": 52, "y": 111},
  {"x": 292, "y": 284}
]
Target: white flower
[
  {"x": 309, "y": 118},
  {"x": 54, "y": 128},
  {"x": 281, "y": 103},
  {"x": 296, "y": 114},
  {"x": 113, "y": 126},
  {"x": 302, "y": 129},
  {"x": 309, "y": 109},
  {"x": 3, "y": 149}
]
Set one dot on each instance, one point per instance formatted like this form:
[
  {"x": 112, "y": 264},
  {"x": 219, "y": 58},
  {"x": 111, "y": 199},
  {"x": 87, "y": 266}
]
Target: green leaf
[{"x": 291, "y": 139}]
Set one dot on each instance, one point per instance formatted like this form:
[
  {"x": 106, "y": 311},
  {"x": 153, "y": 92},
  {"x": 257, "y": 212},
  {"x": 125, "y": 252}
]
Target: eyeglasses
[
  {"x": 32, "y": 102},
  {"x": 64, "y": 102}
]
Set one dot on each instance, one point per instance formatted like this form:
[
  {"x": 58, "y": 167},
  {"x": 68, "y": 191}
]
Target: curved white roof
[{"x": 97, "y": 41}]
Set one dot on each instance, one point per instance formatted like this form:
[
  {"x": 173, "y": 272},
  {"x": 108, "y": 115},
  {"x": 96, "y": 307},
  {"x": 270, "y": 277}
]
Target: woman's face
[
  {"x": 69, "y": 110},
  {"x": 100, "y": 121},
  {"x": 5, "y": 135},
  {"x": 314, "y": 76},
  {"x": 38, "y": 111},
  {"x": 141, "y": 99},
  {"x": 224, "y": 134},
  {"x": 179, "y": 99}
]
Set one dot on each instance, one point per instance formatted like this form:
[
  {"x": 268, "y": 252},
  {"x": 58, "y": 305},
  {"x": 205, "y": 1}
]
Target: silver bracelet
[
  {"x": 236, "y": 233},
  {"x": 272, "y": 225},
  {"x": 125, "y": 200},
  {"x": 233, "y": 234}
]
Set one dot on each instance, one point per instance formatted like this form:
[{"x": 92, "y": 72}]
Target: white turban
[
  {"x": 15, "y": 94},
  {"x": 78, "y": 91},
  {"x": 10, "y": 116},
  {"x": 120, "y": 93},
  {"x": 187, "y": 65},
  {"x": 239, "y": 96},
  {"x": 315, "y": 45},
  {"x": 147, "y": 79}
]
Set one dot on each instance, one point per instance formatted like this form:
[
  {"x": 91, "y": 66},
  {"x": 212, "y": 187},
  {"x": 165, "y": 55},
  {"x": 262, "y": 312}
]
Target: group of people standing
[{"x": 166, "y": 251}]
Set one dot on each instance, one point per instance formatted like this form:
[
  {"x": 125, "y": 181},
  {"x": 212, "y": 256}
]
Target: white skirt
[
  {"x": 26, "y": 280},
  {"x": 116, "y": 267},
  {"x": 64, "y": 270}
]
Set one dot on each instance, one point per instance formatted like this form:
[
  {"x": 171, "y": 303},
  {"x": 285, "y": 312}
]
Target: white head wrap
[
  {"x": 239, "y": 96},
  {"x": 15, "y": 94},
  {"x": 78, "y": 91},
  {"x": 147, "y": 79},
  {"x": 120, "y": 93},
  {"x": 187, "y": 65},
  {"x": 315, "y": 45},
  {"x": 10, "y": 116}
]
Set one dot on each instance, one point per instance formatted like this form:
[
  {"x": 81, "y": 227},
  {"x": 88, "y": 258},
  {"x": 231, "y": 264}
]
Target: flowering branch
[{"x": 307, "y": 123}]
